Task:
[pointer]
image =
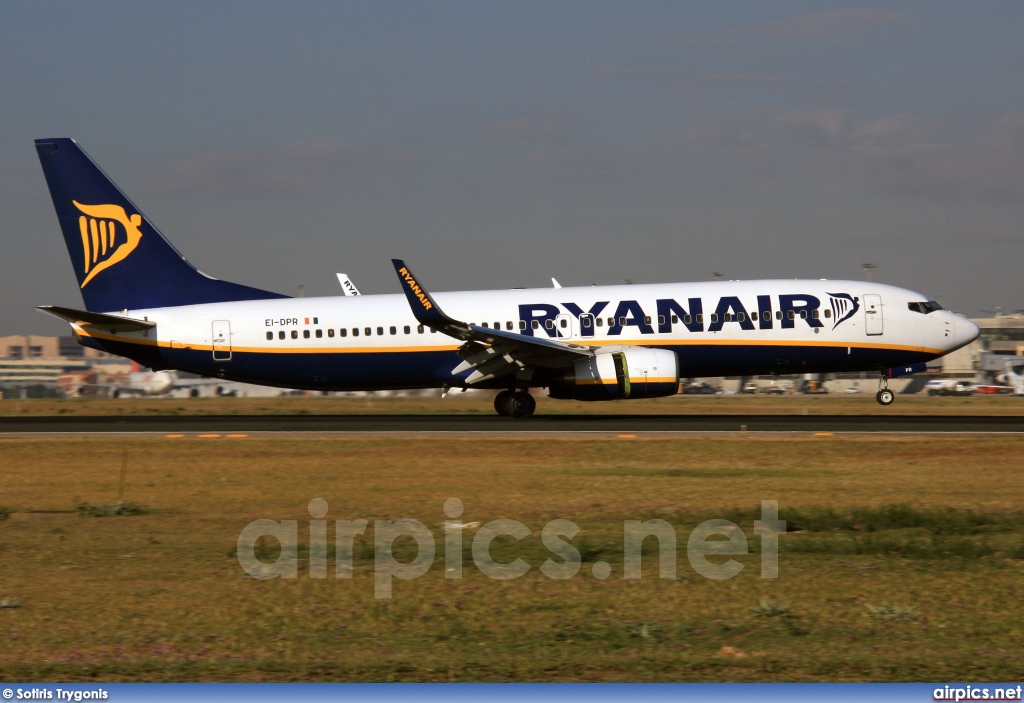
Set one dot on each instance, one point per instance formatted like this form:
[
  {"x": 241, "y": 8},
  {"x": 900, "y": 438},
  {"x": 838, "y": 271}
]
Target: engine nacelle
[{"x": 620, "y": 372}]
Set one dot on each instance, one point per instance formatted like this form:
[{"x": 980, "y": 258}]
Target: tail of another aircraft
[{"x": 120, "y": 259}]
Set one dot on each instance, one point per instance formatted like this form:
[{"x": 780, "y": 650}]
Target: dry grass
[{"x": 160, "y": 596}]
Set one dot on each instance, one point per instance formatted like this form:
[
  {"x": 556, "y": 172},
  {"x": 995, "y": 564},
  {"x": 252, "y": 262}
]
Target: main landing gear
[
  {"x": 884, "y": 395},
  {"x": 517, "y": 404}
]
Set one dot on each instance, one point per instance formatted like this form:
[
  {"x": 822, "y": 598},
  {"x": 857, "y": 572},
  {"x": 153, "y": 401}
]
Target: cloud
[
  {"x": 288, "y": 170},
  {"x": 845, "y": 26},
  {"x": 820, "y": 126},
  {"x": 523, "y": 129},
  {"x": 898, "y": 155}
]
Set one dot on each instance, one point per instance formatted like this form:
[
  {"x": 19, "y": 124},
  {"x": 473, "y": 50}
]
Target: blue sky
[{"x": 499, "y": 144}]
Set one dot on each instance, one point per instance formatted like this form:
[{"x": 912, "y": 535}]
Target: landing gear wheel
[
  {"x": 501, "y": 403},
  {"x": 521, "y": 404},
  {"x": 885, "y": 397}
]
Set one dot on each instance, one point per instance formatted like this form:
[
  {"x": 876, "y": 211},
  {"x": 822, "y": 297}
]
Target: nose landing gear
[{"x": 518, "y": 404}]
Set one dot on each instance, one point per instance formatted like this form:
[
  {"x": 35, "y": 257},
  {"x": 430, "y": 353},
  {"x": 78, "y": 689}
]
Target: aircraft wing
[{"x": 488, "y": 352}]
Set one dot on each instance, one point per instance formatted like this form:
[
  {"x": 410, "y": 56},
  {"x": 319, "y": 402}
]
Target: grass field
[
  {"x": 905, "y": 562},
  {"x": 481, "y": 403}
]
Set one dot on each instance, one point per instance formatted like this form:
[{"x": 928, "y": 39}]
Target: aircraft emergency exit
[{"x": 144, "y": 301}]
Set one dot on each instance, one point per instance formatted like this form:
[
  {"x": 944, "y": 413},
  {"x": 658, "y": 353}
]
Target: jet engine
[{"x": 620, "y": 372}]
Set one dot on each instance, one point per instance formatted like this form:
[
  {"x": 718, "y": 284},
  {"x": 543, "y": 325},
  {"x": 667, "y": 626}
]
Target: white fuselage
[{"x": 715, "y": 328}]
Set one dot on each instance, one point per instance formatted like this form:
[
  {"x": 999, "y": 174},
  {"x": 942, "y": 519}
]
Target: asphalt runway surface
[{"x": 538, "y": 423}]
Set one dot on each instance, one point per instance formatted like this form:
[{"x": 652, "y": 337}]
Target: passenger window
[
  {"x": 792, "y": 315},
  {"x": 305, "y": 334},
  {"x": 407, "y": 330},
  {"x": 675, "y": 319},
  {"x": 611, "y": 321},
  {"x": 714, "y": 317},
  {"x": 355, "y": 331},
  {"x": 536, "y": 325},
  {"x": 686, "y": 319},
  {"x": 484, "y": 325},
  {"x": 419, "y": 329},
  {"x": 700, "y": 317},
  {"x": 330, "y": 332},
  {"x": 563, "y": 323},
  {"x": 647, "y": 320},
  {"x": 342, "y": 332},
  {"x": 600, "y": 321},
  {"x": 741, "y": 316},
  {"x": 803, "y": 314},
  {"x": 727, "y": 317},
  {"x": 497, "y": 325},
  {"x": 814, "y": 314},
  {"x": 270, "y": 336},
  {"x": 778, "y": 314},
  {"x": 319, "y": 334},
  {"x": 280, "y": 335},
  {"x": 295, "y": 334},
  {"x": 522, "y": 324},
  {"x": 585, "y": 321},
  {"x": 508, "y": 325},
  {"x": 622, "y": 322},
  {"x": 550, "y": 324},
  {"x": 828, "y": 313},
  {"x": 766, "y": 316}
]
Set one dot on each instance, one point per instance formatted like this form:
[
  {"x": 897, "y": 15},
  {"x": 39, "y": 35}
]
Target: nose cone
[{"x": 964, "y": 331}]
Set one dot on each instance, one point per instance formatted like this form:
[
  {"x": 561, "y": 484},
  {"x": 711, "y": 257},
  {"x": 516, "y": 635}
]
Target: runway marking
[
  {"x": 626, "y": 436},
  {"x": 209, "y": 436},
  {"x": 169, "y": 436},
  {"x": 236, "y": 436},
  {"x": 824, "y": 434}
]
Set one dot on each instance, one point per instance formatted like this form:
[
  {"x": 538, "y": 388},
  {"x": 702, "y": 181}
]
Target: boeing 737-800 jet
[{"x": 144, "y": 301}]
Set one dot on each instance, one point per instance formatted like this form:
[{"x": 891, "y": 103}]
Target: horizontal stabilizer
[{"x": 81, "y": 317}]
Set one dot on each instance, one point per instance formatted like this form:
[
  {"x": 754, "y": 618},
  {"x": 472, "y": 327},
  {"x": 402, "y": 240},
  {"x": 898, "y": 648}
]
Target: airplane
[
  {"x": 1012, "y": 379},
  {"x": 143, "y": 300},
  {"x": 347, "y": 286}
]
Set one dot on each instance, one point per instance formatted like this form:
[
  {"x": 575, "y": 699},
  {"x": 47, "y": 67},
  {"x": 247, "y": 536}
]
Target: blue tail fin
[{"x": 121, "y": 260}]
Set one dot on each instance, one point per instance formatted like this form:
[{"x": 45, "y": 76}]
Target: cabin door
[
  {"x": 873, "y": 314},
  {"x": 221, "y": 340}
]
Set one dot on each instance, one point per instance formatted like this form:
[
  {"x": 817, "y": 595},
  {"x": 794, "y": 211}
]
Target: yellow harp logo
[{"x": 103, "y": 242}]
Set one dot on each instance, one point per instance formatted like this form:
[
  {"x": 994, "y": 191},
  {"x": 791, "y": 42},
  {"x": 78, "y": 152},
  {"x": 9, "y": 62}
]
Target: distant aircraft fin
[{"x": 347, "y": 286}]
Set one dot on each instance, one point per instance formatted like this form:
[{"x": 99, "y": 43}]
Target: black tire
[
  {"x": 521, "y": 405},
  {"x": 885, "y": 397},
  {"x": 501, "y": 403}
]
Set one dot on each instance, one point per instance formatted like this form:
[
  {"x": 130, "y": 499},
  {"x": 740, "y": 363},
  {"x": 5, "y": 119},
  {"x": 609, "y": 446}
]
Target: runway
[{"x": 538, "y": 423}]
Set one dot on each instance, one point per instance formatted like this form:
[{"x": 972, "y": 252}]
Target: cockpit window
[{"x": 924, "y": 308}]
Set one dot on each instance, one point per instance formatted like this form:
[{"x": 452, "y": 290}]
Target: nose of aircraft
[{"x": 964, "y": 331}]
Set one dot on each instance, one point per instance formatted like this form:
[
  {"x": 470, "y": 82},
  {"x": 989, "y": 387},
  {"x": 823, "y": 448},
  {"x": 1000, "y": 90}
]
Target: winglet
[{"x": 424, "y": 309}]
